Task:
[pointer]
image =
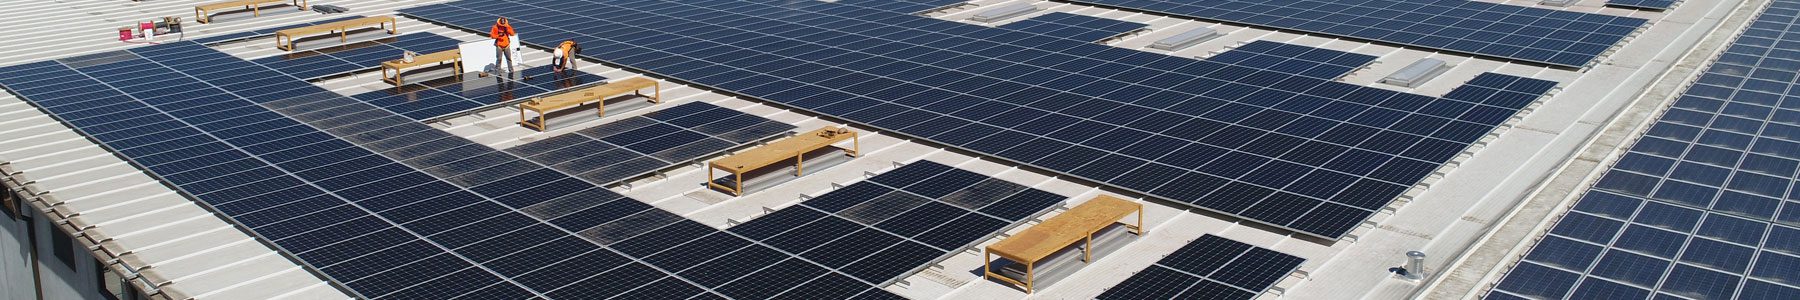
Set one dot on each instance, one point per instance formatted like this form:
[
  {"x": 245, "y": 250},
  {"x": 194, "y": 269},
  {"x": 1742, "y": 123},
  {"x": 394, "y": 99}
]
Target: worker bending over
[
  {"x": 564, "y": 56},
  {"x": 502, "y": 33}
]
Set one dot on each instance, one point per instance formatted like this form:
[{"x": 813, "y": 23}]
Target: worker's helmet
[{"x": 501, "y": 21}]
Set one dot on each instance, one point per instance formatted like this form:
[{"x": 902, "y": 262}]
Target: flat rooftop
[{"x": 1468, "y": 212}]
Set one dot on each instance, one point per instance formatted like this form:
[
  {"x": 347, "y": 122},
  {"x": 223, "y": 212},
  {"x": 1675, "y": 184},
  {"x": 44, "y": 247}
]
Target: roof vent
[
  {"x": 1004, "y": 12},
  {"x": 1558, "y": 2},
  {"x": 1417, "y": 73},
  {"x": 1186, "y": 39}
]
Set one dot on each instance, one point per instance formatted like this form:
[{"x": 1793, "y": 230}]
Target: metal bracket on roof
[
  {"x": 835, "y": 185},
  {"x": 804, "y": 197},
  {"x": 730, "y": 222},
  {"x": 868, "y": 174},
  {"x": 768, "y": 210}
]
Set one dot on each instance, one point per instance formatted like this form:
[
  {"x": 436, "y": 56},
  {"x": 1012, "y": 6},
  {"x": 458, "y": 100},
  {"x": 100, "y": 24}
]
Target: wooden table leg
[
  {"x": 1029, "y": 273},
  {"x": 1087, "y": 254},
  {"x": 987, "y": 261}
]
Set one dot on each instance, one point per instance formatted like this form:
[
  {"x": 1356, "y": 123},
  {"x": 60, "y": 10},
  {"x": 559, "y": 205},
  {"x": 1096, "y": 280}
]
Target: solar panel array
[
  {"x": 341, "y": 59},
  {"x": 1074, "y": 27},
  {"x": 245, "y": 35},
  {"x": 1702, "y": 206},
  {"x": 437, "y": 99},
  {"x": 1643, "y": 4},
  {"x": 1303, "y": 153},
  {"x": 639, "y": 145},
  {"x": 894, "y": 223},
  {"x": 1210, "y": 267},
  {"x": 392, "y": 208},
  {"x": 428, "y": 100},
  {"x": 1312, "y": 62},
  {"x": 302, "y": 189},
  {"x": 1554, "y": 37}
]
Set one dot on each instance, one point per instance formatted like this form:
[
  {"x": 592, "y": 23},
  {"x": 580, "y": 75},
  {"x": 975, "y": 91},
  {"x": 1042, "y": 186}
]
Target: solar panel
[
  {"x": 438, "y": 99},
  {"x": 238, "y": 36},
  {"x": 391, "y": 220},
  {"x": 1561, "y": 38},
  {"x": 1059, "y": 104},
  {"x": 1074, "y": 27},
  {"x": 1643, "y": 4},
  {"x": 1210, "y": 267},
  {"x": 336, "y": 60},
  {"x": 1701, "y": 205},
  {"x": 639, "y": 145},
  {"x": 1284, "y": 58}
]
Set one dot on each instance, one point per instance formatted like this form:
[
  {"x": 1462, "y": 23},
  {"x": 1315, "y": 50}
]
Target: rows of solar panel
[
  {"x": 636, "y": 146},
  {"x": 367, "y": 55},
  {"x": 436, "y": 99},
  {"x": 1210, "y": 267},
  {"x": 1702, "y": 205},
  {"x": 1285, "y": 58},
  {"x": 480, "y": 233},
  {"x": 1643, "y": 4},
  {"x": 1074, "y": 27},
  {"x": 1309, "y": 154},
  {"x": 1562, "y": 38},
  {"x": 220, "y": 149},
  {"x": 896, "y": 222},
  {"x": 576, "y": 241},
  {"x": 244, "y": 35}
]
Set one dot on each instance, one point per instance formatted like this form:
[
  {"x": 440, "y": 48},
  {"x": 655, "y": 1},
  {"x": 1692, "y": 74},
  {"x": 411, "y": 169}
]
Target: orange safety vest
[
  {"x": 501, "y": 32},
  {"x": 568, "y": 48}
]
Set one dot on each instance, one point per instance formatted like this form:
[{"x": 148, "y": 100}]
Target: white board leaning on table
[{"x": 479, "y": 55}]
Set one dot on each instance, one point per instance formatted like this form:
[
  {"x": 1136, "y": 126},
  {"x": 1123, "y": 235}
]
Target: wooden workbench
[
  {"x": 454, "y": 56},
  {"x": 255, "y": 7},
  {"x": 794, "y": 148},
  {"x": 1076, "y": 225},
  {"x": 544, "y": 105},
  {"x": 342, "y": 28}
]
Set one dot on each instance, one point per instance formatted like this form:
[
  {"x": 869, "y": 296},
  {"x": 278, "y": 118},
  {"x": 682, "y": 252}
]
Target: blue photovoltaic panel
[
  {"x": 268, "y": 32},
  {"x": 636, "y": 146},
  {"x": 368, "y": 55},
  {"x": 1528, "y": 34},
  {"x": 1305, "y": 61},
  {"x": 1074, "y": 27},
  {"x": 1211, "y": 267},
  {"x": 1643, "y": 4},
  {"x": 391, "y": 208},
  {"x": 1702, "y": 206},
  {"x": 1305, "y": 153},
  {"x": 437, "y": 99}
]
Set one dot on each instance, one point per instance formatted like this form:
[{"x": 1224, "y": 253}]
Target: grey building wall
[{"x": 56, "y": 277}]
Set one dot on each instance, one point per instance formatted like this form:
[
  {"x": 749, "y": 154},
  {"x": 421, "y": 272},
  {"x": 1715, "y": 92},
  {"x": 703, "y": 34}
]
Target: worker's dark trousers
[
  {"x": 566, "y": 63},
  {"x": 503, "y": 53}
]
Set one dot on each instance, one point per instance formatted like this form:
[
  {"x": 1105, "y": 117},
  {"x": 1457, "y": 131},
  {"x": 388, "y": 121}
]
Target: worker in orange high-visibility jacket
[
  {"x": 502, "y": 33},
  {"x": 563, "y": 58}
]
